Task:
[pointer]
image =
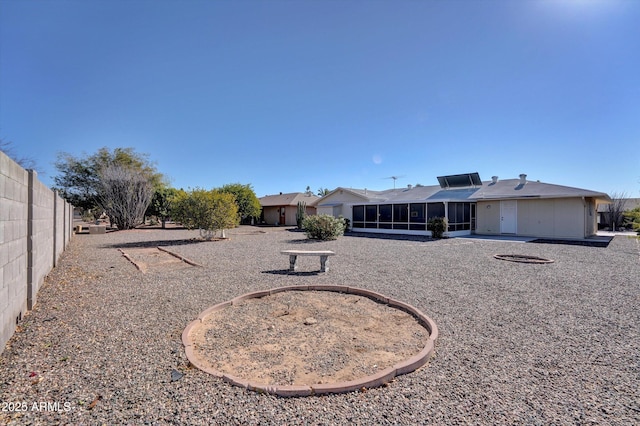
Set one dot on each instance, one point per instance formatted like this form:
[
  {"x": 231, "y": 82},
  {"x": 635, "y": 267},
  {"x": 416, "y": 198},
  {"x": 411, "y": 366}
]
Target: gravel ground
[{"x": 519, "y": 343}]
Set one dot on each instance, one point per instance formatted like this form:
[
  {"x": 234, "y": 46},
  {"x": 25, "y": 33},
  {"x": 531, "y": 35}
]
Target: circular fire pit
[
  {"x": 522, "y": 258},
  {"x": 310, "y": 340}
]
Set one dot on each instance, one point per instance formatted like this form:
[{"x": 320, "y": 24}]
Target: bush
[
  {"x": 347, "y": 223},
  {"x": 323, "y": 227},
  {"x": 437, "y": 226},
  {"x": 209, "y": 211},
  {"x": 632, "y": 217}
]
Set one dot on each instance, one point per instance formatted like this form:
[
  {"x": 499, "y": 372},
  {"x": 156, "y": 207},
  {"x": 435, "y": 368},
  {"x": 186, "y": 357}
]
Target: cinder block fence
[{"x": 36, "y": 225}]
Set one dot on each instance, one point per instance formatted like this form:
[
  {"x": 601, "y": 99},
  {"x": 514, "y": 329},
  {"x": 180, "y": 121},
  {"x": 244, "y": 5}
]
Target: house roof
[
  {"x": 290, "y": 199},
  {"x": 627, "y": 204},
  {"x": 489, "y": 190},
  {"x": 513, "y": 188}
]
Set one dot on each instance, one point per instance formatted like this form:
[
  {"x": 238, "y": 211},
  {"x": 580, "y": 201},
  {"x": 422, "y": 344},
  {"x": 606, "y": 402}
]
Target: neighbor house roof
[
  {"x": 627, "y": 204},
  {"x": 290, "y": 199},
  {"x": 489, "y": 190}
]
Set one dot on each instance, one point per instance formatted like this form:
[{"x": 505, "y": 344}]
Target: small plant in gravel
[
  {"x": 323, "y": 227},
  {"x": 437, "y": 226}
]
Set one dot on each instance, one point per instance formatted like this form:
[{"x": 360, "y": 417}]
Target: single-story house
[
  {"x": 282, "y": 209},
  {"x": 510, "y": 206}
]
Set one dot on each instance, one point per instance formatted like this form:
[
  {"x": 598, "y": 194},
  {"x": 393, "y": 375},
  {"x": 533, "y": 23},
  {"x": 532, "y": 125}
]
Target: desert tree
[
  {"x": 162, "y": 204},
  {"x": 124, "y": 194},
  {"x": 615, "y": 210},
  {"x": 10, "y": 150},
  {"x": 78, "y": 179},
  {"x": 245, "y": 199}
]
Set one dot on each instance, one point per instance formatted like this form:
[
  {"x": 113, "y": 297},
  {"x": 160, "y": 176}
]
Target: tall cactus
[{"x": 301, "y": 213}]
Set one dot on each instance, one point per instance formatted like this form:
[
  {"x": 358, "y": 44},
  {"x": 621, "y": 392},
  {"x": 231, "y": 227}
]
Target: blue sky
[{"x": 285, "y": 94}]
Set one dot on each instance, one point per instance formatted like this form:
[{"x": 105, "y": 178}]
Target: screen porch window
[
  {"x": 371, "y": 216},
  {"x": 358, "y": 216},
  {"x": 460, "y": 218},
  {"x": 413, "y": 216},
  {"x": 385, "y": 216},
  {"x": 418, "y": 216}
]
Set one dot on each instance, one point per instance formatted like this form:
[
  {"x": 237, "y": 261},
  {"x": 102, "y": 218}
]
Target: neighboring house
[
  {"x": 281, "y": 209},
  {"x": 511, "y": 206},
  {"x": 623, "y": 204}
]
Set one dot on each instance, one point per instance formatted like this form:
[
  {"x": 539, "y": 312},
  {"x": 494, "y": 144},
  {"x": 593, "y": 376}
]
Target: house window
[
  {"x": 371, "y": 216},
  {"x": 400, "y": 213},
  {"x": 417, "y": 216},
  {"x": 358, "y": 216},
  {"x": 386, "y": 212},
  {"x": 385, "y": 216},
  {"x": 460, "y": 216},
  {"x": 400, "y": 216},
  {"x": 435, "y": 210}
]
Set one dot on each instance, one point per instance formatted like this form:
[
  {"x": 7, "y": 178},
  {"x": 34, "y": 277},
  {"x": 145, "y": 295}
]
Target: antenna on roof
[{"x": 394, "y": 179}]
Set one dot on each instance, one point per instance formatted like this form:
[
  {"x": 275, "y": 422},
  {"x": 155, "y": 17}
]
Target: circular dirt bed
[{"x": 326, "y": 339}]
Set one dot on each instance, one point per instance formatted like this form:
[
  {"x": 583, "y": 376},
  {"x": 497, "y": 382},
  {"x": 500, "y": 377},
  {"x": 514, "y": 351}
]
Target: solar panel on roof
[{"x": 460, "y": 181}]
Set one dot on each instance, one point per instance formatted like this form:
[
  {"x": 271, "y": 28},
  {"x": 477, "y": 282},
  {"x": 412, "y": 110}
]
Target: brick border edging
[{"x": 375, "y": 380}]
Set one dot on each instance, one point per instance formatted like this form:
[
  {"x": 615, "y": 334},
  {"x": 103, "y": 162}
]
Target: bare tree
[
  {"x": 124, "y": 194},
  {"x": 616, "y": 209},
  {"x": 24, "y": 162}
]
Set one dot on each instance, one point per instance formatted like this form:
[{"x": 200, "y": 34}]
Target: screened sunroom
[{"x": 412, "y": 217}]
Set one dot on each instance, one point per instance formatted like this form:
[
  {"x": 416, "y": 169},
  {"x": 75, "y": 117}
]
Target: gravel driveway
[{"x": 519, "y": 343}]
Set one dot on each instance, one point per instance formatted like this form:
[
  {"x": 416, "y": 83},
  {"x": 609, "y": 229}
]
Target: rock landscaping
[{"x": 518, "y": 343}]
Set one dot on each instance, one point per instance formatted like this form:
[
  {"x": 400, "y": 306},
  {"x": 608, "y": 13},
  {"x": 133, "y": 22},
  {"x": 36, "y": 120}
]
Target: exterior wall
[
  {"x": 346, "y": 199},
  {"x": 334, "y": 211},
  {"x": 35, "y": 227},
  {"x": 488, "y": 217},
  {"x": 591, "y": 217},
  {"x": 290, "y": 216},
  {"x": 271, "y": 215},
  {"x": 346, "y": 210},
  {"x": 555, "y": 218},
  {"x": 545, "y": 218},
  {"x": 14, "y": 193}
]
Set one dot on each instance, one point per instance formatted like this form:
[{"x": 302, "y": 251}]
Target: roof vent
[
  {"x": 523, "y": 179},
  {"x": 494, "y": 179}
]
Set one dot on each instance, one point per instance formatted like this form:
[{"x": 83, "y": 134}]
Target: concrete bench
[
  {"x": 97, "y": 229},
  {"x": 293, "y": 257}
]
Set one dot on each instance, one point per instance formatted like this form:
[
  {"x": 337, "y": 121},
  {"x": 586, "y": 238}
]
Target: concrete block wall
[
  {"x": 35, "y": 228},
  {"x": 14, "y": 192},
  {"x": 59, "y": 226},
  {"x": 40, "y": 244}
]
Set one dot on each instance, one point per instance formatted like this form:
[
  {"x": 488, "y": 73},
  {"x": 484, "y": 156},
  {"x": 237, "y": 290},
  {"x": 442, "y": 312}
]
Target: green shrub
[
  {"x": 347, "y": 223},
  {"x": 632, "y": 217},
  {"x": 209, "y": 211},
  {"x": 437, "y": 226},
  {"x": 323, "y": 227}
]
